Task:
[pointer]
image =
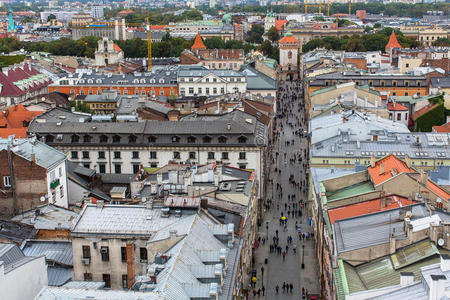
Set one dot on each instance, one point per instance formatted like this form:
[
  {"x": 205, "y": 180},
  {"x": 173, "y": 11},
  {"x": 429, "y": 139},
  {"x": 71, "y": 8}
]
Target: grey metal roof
[
  {"x": 231, "y": 125},
  {"x": 258, "y": 81},
  {"x": 59, "y": 252},
  {"x": 432, "y": 146},
  {"x": 9, "y": 253},
  {"x": 16, "y": 232},
  {"x": 57, "y": 114},
  {"x": 440, "y": 82},
  {"x": 88, "y": 285},
  {"x": 59, "y": 293},
  {"x": 374, "y": 229},
  {"x": 46, "y": 156},
  {"x": 127, "y": 104},
  {"x": 57, "y": 276},
  {"x": 48, "y": 216},
  {"x": 188, "y": 71}
]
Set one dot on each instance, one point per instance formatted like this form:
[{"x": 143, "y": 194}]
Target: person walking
[
  {"x": 284, "y": 255},
  {"x": 277, "y": 288},
  {"x": 291, "y": 287},
  {"x": 262, "y": 271},
  {"x": 263, "y": 289},
  {"x": 284, "y": 286}
]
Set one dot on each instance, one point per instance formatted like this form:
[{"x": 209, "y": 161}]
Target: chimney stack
[
  {"x": 424, "y": 177},
  {"x": 445, "y": 262},
  {"x": 204, "y": 203},
  {"x": 437, "y": 287},
  {"x": 407, "y": 161},
  {"x": 406, "y": 278},
  {"x": 381, "y": 169},
  {"x": 372, "y": 161}
]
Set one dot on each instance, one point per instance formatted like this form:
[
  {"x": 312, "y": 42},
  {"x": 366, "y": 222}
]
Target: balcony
[{"x": 54, "y": 184}]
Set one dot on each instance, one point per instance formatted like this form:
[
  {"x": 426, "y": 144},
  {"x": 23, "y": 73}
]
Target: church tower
[{"x": 288, "y": 52}]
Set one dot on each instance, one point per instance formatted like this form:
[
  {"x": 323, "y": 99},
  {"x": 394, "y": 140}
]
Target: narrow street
[{"x": 288, "y": 191}]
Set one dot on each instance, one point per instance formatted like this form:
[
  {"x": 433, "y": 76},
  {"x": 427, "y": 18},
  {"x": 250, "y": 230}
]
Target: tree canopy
[
  {"x": 254, "y": 35},
  {"x": 273, "y": 34}
]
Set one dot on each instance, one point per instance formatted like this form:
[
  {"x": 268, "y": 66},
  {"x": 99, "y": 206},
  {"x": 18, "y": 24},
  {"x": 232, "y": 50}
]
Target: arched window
[
  {"x": 151, "y": 139},
  {"x": 242, "y": 139},
  {"x": 116, "y": 139},
  {"x": 206, "y": 139},
  {"x": 222, "y": 139},
  {"x": 191, "y": 139},
  {"x": 290, "y": 54},
  {"x": 132, "y": 139},
  {"x": 87, "y": 138},
  {"x": 103, "y": 139},
  {"x": 49, "y": 138},
  {"x": 175, "y": 139},
  {"x": 75, "y": 138}
]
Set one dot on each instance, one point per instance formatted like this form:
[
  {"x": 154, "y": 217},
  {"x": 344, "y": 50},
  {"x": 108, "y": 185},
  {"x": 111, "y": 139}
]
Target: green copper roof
[{"x": 351, "y": 191}]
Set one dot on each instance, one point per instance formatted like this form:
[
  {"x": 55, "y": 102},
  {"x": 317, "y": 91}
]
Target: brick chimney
[
  {"x": 407, "y": 161},
  {"x": 372, "y": 161},
  {"x": 381, "y": 169}
]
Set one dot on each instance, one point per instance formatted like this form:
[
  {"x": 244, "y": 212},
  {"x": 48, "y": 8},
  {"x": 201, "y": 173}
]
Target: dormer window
[
  {"x": 175, "y": 139},
  {"x": 206, "y": 139},
  {"x": 75, "y": 138},
  {"x": 132, "y": 139},
  {"x": 222, "y": 139},
  {"x": 116, "y": 139},
  {"x": 142, "y": 80},
  {"x": 191, "y": 139},
  {"x": 87, "y": 139},
  {"x": 151, "y": 139},
  {"x": 49, "y": 138},
  {"x": 90, "y": 81},
  {"x": 161, "y": 80},
  {"x": 103, "y": 139},
  {"x": 242, "y": 139}
]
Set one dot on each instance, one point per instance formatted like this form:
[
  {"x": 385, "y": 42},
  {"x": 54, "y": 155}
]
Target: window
[
  {"x": 103, "y": 139},
  {"x": 224, "y": 155},
  {"x": 86, "y": 251},
  {"x": 49, "y": 138},
  {"x": 242, "y": 166},
  {"x": 206, "y": 139},
  {"x": 87, "y": 139},
  {"x": 153, "y": 165},
  {"x": 132, "y": 139},
  {"x": 199, "y": 91},
  {"x": 210, "y": 155},
  {"x": 61, "y": 191},
  {"x": 75, "y": 138},
  {"x": 85, "y": 154},
  {"x": 136, "y": 168},
  {"x": 152, "y": 154},
  {"x": 104, "y": 251},
  {"x": 176, "y": 155},
  {"x": 87, "y": 276},
  {"x": 290, "y": 55},
  {"x": 406, "y": 93},
  {"x": 116, "y": 139},
  {"x": 135, "y": 154},
  {"x": 123, "y": 254},
  {"x": 191, "y": 155},
  {"x": 74, "y": 154},
  {"x": 207, "y": 91},
  {"x": 394, "y": 83},
  {"x": 394, "y": 94},
  {"x": 143, "y": 254},
  {"x": 407, "y": 65},
  {"x": 107, "y": 280},
  {"x": 125, "y": 281},
  {"x": 406, "y": 83},
  {"x": 6, "y": 181},
  {"x": 242, "y": 139},
  {"x": 87, "y": 165},
  {"x": 242, "y": 155},
  {"x": 117, "y": 168},
  {"x": 59, "y": 172},
  {"x": 191, "y": 139},
  {"x": 191, "y": 90},
  {"x": 175, "y": 139},
  {"x": 102, "y": 168},
  {"x": 222, "y": 139},
  {"x": 222, "y": 90},
  {"x": 214, "y": 91},
  {"x": 117, "y": 154},
  {"x": 151, "y": 139},
  {"x": 101, "y": 154}
]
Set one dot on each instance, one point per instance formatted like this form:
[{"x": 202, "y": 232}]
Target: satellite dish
[
  {"x": 441, "y": 242},
  {"x": 42, "y": 199}
]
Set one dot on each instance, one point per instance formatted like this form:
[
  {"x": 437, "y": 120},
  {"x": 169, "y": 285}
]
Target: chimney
[
  {"x": 437, "y": 287},
  {"x": 33, "y": 157},
  {"x": 407, "y": 161},
  {"x": 204, "y": 203},
  {"x": 372, "y": 161},
  {"x": 392, "y": 244},
  {"x": 445, "y": 262},
  {"x": 424, "y": 177},
  {"x": 159, "y": 178},
  {"x": 130, "y": 265},
  {"x": 406, "y": 278},
  {"x": 381, "y": 169}
]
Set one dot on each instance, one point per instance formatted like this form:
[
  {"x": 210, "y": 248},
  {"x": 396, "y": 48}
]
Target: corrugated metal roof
[
  {"x": 58, "y": 251},
  {"x": 57, "y": 276},
  {"x": 414, "y": 253},
  {"x": 10, "y": 253}
]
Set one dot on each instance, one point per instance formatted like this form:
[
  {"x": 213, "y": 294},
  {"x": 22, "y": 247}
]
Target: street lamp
[
  {"x": 267, "y": 228},
  {"x": 303, "y": 256}
]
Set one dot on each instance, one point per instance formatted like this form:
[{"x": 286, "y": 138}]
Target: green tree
[
  {"x": 214, "y": 43},
  {"x": 26, "y": 20},
  {"x": 442, "y": 42},
  {"x": 193, "y": 14},
  {"x": 51, "y": 17},
  {"x": 234, "y": 44},
  {"x": 254, "y": 35},
  {"x": 273, "y": 34},
  {"x": 377, "y": 25}
]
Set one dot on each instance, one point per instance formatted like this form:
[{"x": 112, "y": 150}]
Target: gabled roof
[
  {"x": 279, "y": 24},
  {"x": 367, "y": 207},
  {"x": 392, "y": 166},
  {"x": 288, "y": 38},
  {"x": 396, "y": 107},
  {"x": 442, "y": 129},
  {"x": 198, "y": 42},
  {"x": 13, "y": 120},
  {"x": 117, "y": 48},
  {"x": 423, "y": 110},
  {"x": 393, "y": 42}
]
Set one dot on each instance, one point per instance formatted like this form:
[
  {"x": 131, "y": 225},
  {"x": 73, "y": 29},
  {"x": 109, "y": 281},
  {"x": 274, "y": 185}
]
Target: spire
[
  {"x": 198, "y": 43},
  {"x": 11, "y": 26},
  {"x": 393, "y": 42}
]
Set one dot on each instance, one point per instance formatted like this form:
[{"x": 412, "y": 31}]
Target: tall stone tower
[{"x": 288, "y": 53}]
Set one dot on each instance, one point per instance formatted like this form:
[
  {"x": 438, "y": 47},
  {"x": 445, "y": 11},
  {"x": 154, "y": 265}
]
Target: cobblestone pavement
[{"x": 277, "y": 271}]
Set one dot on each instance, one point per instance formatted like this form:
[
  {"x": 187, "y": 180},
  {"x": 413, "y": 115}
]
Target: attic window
[
  {"x": 175, "y": 139},
  {"x": 206, "y": 139},
  {"x": 242, "y": 139},
  {"x": 75, "y": 138},
  {"x": 49, "y": 138},
  {"x": 116, "y": 139},
  {"x": 87, "y": 139},
  {"x": 151, "y": 139},
  {"x": 103, "y": 139},
  {"x": 191, "y": 139},
  {"x": 132, "y": 139},
  {"x": 222, "y": 139}
]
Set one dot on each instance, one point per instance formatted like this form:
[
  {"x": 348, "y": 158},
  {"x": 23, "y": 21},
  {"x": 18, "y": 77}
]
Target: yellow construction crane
[
  {"x": 149, "y": 46},
  {"x": 319, "y": 5}
]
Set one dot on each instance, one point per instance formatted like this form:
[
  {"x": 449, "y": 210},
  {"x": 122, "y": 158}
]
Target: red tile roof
[
  {"x": 396, "y": 106},
  {"x": 393, "y": 42},
  {"x": 391, "y": 164},
  {"x": 12, "y": 120},
  {"x": 423, "y": 110},
  {"x": 288, "y": 39},
  {"x": 198, "y": 43},
  {"x": 367, "y": 207},
  {"x": 442, "y": 129},
  {"x": 16, "y": 73},
  {"x": 279, "y": 24},
  {"x": 117, "y": 48},
  {"x": 437, "y": 190}
]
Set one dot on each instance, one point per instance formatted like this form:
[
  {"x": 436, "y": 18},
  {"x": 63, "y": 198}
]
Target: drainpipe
[{"x": 12, "y": 181}]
